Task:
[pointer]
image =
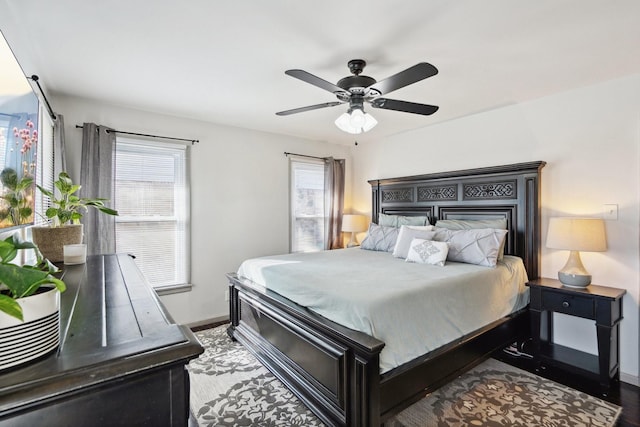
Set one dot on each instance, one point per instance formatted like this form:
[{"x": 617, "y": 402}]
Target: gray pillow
[
  {"x": 467, "y": 224},
  {"x": 380, "y": 238},
  {"x": 400, "y": 220},
  {"x": 474, "y": 246}
]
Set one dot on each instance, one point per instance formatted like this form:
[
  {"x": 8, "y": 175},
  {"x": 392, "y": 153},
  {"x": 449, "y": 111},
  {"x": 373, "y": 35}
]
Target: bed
[{"x": 337, "y": 371}]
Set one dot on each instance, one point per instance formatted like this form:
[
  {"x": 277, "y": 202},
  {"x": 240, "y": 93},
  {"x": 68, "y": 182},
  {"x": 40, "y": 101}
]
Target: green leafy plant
[
  {"x": 17, "y": 196},
  {"x": 20, "y": 281},
  {"x": 69, "y": 208}
]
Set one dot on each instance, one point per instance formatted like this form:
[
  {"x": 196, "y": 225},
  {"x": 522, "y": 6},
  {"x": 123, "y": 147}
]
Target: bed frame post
[{"x": 375, "y": 200}]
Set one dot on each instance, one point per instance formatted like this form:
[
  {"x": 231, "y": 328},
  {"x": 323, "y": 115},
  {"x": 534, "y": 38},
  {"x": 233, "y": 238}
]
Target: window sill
[{"x": 173, "y": 289}]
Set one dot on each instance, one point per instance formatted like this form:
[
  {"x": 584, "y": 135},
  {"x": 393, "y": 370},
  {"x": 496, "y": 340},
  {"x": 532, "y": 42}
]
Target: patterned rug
[{"x": 229, "y": 387}]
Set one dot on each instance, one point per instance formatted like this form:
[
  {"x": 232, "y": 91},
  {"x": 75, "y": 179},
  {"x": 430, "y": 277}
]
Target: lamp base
[
  {"x": 573, "y": 274},
  {"x": 352, "y": 242},
  {"x": 574, "y": 280}
]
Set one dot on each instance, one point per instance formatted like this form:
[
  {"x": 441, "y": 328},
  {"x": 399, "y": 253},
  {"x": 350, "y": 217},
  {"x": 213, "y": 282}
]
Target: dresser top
[{"x": 111, "y": 324}]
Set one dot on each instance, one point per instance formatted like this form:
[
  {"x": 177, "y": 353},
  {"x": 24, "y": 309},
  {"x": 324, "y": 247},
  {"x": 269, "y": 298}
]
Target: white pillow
[
  {"x": 428, "y": 252},
  {"x": 475, "y": 246},
  {"x": 406, "y": 235}
]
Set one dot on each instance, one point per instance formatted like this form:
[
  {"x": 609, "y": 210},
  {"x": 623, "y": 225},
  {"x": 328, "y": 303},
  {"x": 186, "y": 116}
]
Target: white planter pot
[{"x": 39, "y": 334}]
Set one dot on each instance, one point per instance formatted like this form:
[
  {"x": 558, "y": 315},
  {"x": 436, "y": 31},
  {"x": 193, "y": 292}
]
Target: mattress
[{"x": 413, "y": 308}]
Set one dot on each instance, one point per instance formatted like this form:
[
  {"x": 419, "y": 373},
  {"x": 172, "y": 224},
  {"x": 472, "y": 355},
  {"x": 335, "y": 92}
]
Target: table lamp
[
  {"x": 574, "y": 235},
  {"x": 353, "y": 224}
]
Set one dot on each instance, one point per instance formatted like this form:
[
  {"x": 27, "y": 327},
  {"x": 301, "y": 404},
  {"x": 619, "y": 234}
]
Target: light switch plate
[{"x": 610, "y": 212}]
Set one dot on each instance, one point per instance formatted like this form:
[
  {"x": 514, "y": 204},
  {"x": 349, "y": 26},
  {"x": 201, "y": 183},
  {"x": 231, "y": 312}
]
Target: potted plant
[
  {"x": 29, "y": 305},
  {"x": 17, "y": 197},
  {"x": 63, "y": 217}
]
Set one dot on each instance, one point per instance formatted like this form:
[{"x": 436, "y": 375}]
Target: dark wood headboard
[{"x": 508, "y": 191}]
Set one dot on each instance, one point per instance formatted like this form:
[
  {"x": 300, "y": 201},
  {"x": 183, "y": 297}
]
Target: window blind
[
  {"x": 307, "y": 205},
  {"x": 152, "y": 199},
  {"x": 44, "y": 174}
]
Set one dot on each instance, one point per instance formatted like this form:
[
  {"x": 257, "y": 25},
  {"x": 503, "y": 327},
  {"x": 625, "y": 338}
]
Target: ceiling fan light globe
[
  {"x": 363, "y": 122},
  {"x": 357, "y": 119},
  {"x": 344, "y": 124},
  {"x": 369, "y": 122}
]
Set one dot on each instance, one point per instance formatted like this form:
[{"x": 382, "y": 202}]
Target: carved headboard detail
[{"x": 508, "y": 191}]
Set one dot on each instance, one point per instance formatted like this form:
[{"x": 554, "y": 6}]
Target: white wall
[
  {"x": 590, "y": 140},
  {"x": 239, "y": 193}
]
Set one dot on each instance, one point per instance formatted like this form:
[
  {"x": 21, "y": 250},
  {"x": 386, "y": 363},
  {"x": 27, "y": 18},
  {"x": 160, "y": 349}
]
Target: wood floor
[{"x": 621, "y": 393}]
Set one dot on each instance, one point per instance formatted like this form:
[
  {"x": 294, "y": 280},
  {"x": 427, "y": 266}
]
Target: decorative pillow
[
  {"x": 466, "y": 224},
  {"x": 427, "y": 252},
  {"x": 399, "y": 220},
  {"x": 406, "y": 235},
  {"x": 380, "y": 238},
  {"x": 474, "y": 246},
  {"x": 420, "y": 227}
]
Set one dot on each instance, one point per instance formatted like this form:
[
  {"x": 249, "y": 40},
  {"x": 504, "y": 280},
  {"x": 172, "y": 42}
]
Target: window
[
  {"x": 152, "y": 199},
  {"x": 44, "y": 174},
  {"x": 307, "y": 205}
]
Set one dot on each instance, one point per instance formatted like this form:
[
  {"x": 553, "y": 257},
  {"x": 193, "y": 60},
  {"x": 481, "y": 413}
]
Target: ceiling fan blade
[
  {"x": 407, "y": 107},
  {"x": 309, "y": 108},
  {"x": 404, "y": 78},
  {"x": 314, "y": 80}
]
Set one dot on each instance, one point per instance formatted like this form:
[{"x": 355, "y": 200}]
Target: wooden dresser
[{"x": 121, "y": 360}]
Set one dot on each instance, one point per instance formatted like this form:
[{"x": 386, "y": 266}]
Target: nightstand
[{"x": 599, "y": 303}]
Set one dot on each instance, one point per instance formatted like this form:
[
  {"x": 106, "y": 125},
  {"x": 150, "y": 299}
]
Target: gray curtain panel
[
  {"x": 96, "y": 178},
  {"x": 334, "y": 202},
  {"x": 59, "y": 153}
]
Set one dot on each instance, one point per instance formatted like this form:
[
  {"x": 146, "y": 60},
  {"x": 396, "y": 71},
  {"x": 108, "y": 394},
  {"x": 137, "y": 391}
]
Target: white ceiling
[{"x": 224, "y": 61}]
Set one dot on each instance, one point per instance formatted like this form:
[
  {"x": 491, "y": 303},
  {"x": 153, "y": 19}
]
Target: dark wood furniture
[
  {"x": 121, "y": 360},
  {"x": 599, "y": 303},
  {"x": 335, "y": 370}
]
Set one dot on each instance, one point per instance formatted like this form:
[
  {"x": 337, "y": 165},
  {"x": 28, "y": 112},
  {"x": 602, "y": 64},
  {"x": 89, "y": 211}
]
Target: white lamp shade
[
  {"x": 577, "y": 234},
  {"x": 354, "y": 223}
]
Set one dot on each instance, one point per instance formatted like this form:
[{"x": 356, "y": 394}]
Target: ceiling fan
[{"x": 358, "y": 89}]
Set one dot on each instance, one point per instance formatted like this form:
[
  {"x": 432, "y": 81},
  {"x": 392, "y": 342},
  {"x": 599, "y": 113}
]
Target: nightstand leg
[
  {"x": 604, "y": 354},
  {"x": 536, "y": 319}
]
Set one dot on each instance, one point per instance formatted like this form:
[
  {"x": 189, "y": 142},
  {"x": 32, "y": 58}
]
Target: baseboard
[
  {"x": 631, "y": 379},
  {"x": 215, "y": 321}
]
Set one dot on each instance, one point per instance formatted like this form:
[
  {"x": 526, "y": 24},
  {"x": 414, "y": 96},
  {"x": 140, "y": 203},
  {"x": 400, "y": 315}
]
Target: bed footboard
[{"x": 332, "y": 369}]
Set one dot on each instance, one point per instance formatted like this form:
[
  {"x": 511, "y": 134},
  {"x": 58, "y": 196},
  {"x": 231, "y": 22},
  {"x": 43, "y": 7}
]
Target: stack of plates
[{"x": 29, "y": 340}]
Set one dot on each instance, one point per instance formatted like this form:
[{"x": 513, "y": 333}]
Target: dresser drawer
[{"x": 569, "y": 304}]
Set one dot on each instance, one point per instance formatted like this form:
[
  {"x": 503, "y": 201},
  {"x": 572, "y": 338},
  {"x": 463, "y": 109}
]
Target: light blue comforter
[{"x": 412, "y": 308}]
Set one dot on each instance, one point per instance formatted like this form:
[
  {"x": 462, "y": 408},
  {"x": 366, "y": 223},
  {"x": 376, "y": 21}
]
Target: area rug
[{"x": 229, "y": 387}]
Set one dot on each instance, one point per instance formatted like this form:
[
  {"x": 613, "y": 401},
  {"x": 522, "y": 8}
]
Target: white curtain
[{"x": 96, "y": 178}]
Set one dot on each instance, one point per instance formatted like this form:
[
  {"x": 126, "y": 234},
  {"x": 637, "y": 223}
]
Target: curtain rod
[
  {"x": 35, "y": 78},
  {"x": 304, "y": 155},
  {"x": 192, "y": 141}
]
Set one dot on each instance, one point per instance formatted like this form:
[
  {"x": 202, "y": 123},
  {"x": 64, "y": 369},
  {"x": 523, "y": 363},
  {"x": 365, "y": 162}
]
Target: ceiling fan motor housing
[{"x": 356, "y": 84}]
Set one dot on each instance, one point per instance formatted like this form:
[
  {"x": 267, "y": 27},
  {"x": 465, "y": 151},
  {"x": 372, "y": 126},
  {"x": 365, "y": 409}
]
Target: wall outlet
[
  {"x": 226, "y": 295},
  {"x": 610, "y": 212}
]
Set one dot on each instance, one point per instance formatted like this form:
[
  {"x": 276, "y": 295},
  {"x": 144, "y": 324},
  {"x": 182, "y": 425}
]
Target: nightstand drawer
[{"x": 569, "y": 304}]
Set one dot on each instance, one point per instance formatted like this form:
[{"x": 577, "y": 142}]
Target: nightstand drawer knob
[{"x": 565, "y": 304}]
